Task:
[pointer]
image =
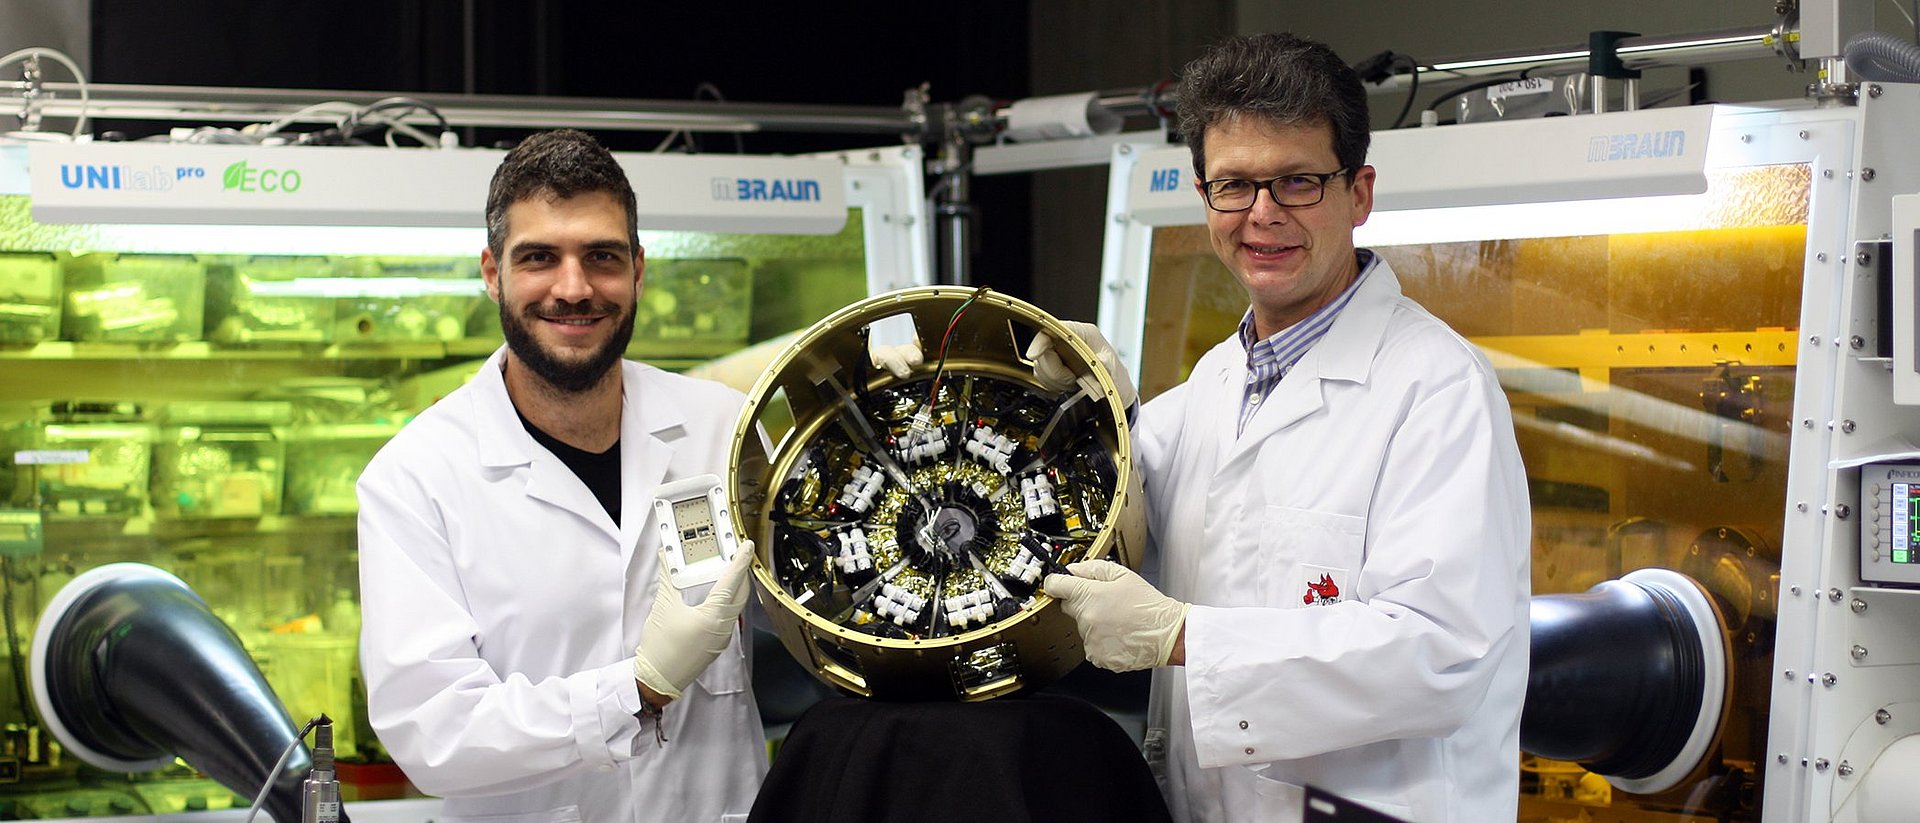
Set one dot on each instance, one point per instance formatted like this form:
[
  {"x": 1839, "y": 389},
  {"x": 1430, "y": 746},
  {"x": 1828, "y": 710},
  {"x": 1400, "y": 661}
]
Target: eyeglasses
[{"x": 1293, "y": 191}]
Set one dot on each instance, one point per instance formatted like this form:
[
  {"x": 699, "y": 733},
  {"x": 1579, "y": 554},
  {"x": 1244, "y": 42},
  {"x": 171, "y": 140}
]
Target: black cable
[
  {"x": 1413, "y": 87},
  {"x": 933, "y": 391},
  {"x": 13, "y": 640},
  {"x": 351, "y": 128},
  {"x": 273, "y": 774},
  {"x": 407, "y": 105},
  {"x": 404, "y": 106}
]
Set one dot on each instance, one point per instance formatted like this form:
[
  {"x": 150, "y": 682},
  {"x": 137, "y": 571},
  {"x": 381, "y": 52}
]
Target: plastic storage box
[
  {"x": 397, "y": 299},
  {"x": 29, "y": 298},
  {"x": 219, "y": 459},
  {"x": 82, "y": 459},
  {"x": 157, "y": 298},
  {"x": 269, "y": 300},
  {"x": 324, "y": 461}
]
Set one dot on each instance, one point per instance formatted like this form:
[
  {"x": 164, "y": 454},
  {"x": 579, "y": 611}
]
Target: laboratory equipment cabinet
[
  {"x": 1700, "y": 317},
  {"x": 201, "y": 346}
]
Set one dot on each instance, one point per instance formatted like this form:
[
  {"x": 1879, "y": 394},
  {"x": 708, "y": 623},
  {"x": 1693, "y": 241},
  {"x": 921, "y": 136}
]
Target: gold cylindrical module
[{"x": 903, "y": 525}]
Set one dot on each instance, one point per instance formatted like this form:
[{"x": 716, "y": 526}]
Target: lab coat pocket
[
  {"x": 563, "y": 814},
  {"x": 728, "y": 672},
  {"x": 1276, "y": 800},
  {"x": 1280, "y": 800},
  {"x": 1308, "y": 558}
]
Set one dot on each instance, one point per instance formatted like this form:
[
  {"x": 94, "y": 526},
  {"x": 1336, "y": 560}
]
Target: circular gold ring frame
[{"x": 811, "y": 386}]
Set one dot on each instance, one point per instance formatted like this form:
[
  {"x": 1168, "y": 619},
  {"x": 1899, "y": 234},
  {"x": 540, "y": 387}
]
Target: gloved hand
[
  {"x": 1054, "y": 374},
  {"x": 1125, "y": 623},
  {"x": 900, "y": 360},
  {"x": 681, "y": 640}
]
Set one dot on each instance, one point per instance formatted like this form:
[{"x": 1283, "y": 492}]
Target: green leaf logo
[{"x": 232, "y": 177}]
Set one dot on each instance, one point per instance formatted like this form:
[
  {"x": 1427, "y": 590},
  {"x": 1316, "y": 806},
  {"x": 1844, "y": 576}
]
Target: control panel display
[
  {"x": 1890, "y": 523},
  {"x": 1906, "y": 517}
]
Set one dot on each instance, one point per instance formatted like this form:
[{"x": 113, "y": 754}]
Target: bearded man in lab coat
[
  {"x": 525, "y": 655},
  {"x": 1335, "y": 495}
]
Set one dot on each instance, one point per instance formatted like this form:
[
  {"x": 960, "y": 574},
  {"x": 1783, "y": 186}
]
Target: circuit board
[{"x": 935, "y": 506}]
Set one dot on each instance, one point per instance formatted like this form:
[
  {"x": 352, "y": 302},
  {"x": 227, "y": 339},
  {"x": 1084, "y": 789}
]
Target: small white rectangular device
[
  {"x": 696, "y": 528},
  {"x": 1890, "y": 523}
]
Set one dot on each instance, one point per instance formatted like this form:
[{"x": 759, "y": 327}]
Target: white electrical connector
[
  {"x": 899, "y": 605},
  {"x": 966, "y": 609},
  {"x": 1025, "y": 567},
  {"x": 992, "y": 449},
  {"x": 1036, "y": 494},
  {"x": 923, "y": 441},
  {"x": 854, "y": 555},
  {"x": 858, "y": 493}
]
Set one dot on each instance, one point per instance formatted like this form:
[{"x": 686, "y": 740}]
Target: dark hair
[
  {"x": 1278, "y": 77},
  {"x": 560, "y": 164}
]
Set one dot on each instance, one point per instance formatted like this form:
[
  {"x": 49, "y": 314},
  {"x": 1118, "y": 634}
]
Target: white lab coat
[
  {"x": 501, "y": 606},
  {"x": 1384, "y": 464}
]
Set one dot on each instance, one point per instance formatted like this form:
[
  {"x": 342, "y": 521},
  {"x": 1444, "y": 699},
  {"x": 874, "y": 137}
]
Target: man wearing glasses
[{"x": 1335, "y": 495}]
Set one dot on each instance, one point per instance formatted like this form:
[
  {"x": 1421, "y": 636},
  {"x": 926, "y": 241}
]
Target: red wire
[{"x": 933, "y": 393}]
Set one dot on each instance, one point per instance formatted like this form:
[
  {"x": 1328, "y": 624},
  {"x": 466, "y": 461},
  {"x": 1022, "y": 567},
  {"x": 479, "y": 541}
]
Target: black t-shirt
[{"x": 600, "y": 471}]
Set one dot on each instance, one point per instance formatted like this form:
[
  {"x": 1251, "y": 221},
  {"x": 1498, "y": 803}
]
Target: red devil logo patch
[{"x": 1323, "y": 592}]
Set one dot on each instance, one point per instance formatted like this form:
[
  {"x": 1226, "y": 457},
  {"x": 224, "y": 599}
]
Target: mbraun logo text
[
  {"x": 1608, "y": 148},
  {"x": 1164, "y": 180},
  {"x": 760, "y": 188},
  {"x": 78, "y": 176}
]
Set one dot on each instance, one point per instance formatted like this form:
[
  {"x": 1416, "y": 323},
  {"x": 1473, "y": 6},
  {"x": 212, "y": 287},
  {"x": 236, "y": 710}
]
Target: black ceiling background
[{"x": 862, "y": 54}]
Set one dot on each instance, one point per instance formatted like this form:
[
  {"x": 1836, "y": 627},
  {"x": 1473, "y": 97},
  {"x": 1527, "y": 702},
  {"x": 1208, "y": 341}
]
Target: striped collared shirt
[{"x": 1269, "y": 360}]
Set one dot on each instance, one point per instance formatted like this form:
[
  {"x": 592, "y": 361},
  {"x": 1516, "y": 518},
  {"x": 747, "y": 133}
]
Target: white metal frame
[
  {"x": 887, "y": 185},
  {"x": 1845, "y": 651}
]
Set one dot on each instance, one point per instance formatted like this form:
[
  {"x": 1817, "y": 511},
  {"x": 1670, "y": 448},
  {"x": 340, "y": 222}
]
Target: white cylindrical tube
[{"x": 1059, "y": 117}]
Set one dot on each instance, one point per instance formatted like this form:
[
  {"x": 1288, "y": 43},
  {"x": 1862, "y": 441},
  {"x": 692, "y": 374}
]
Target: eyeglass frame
[{"x": 1206, "y": 193}]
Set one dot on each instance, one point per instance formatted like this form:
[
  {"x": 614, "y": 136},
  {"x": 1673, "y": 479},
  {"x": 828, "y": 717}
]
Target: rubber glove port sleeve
[
  {"x": 1054, "y": 374},
  {"x": 1125, "y": 623},
  {"x": 679, "y": 640}
]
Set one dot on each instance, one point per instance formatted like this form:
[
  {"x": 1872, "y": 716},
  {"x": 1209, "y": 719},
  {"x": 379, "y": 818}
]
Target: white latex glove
[
  {"x": 1054, "y": 374},
  {"x": 1125, "y": 623},
  {"x": 681, "y": 640},
  {"x": 900, "y": 360}
]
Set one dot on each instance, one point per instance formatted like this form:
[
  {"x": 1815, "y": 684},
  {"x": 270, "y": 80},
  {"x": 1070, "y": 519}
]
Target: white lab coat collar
[
  {"x": 1346, "y": 354},
  {"x": 1347, "y": 351},
  {"x": 649, "y": 425}
]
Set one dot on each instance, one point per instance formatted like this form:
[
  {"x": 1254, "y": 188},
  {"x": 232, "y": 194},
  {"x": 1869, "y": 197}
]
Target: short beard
[{"x": 565, "y": 377}]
